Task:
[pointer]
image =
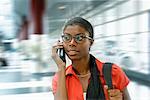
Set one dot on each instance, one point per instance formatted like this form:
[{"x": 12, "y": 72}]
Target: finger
[
  {"x": 57, "y": 45},
  {"x": 56, "y": 57},
  {"x": 54, "y": 49},
  {"x": 106, "y": 87},
  {"x": 59, "y": 42},
  {"x": 116, "y": 97},
  {"x": 114, "y": 92}
]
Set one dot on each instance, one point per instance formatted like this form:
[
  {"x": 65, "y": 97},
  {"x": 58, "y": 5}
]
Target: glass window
[
  {"x": 144, "y": 4},
  {"x": 96, "y": 20},
  {"x": 143, "y": 22},
  {"x": 144, "y": 63},
  {"x": 144, "y": 41},
  {"x": 133, "y": 52},
  {"x": 127, "y": 8},
  {"x": 98, "y": 48},
  {"x": 6, "y": 21},
  {"x": 128, "y": 42},
  {"x": 111, "y": 14},
  {"x": 98, "y": 31},
  {"x": 111, "y": 29},
  {"x": 128, "y": 25}
]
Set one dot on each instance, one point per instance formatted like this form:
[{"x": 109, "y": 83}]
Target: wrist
[{"x": 61, "y": 67}]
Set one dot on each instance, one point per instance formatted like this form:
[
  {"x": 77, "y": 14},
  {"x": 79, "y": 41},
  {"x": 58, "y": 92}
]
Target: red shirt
[{"x": 74, "y": 87}]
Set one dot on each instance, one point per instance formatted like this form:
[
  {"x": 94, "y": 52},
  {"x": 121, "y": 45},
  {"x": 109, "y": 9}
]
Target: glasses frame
[{"x": 74, "y": 37}]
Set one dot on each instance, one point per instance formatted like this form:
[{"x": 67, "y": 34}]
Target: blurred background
[{"x": 28, "y": 29}]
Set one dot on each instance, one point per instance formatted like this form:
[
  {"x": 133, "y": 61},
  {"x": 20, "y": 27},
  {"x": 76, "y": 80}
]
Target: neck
[{"x": 82, "y": 65}]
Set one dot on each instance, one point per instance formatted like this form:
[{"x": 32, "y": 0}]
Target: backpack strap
[{"x": 107, "y": 72}]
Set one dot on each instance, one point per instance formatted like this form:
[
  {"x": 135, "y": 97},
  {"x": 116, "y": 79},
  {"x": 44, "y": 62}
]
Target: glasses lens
[
  {"x": 66, "y": 38},
  {"x": 79, "y": 38}
]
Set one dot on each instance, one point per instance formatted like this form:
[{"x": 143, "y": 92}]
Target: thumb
[{"x": 106, "y": 87}]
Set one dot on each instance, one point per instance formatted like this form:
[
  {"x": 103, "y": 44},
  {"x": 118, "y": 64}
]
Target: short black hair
[{"x": 83, "y": 23}]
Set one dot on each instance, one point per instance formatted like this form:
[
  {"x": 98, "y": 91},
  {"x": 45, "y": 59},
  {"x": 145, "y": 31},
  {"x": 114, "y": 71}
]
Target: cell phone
[{"x": 61, "y": 53}]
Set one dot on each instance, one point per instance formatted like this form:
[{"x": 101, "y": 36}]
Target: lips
[{"x": 73, "y": 52}]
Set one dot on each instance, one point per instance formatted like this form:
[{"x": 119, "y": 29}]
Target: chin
[{"x": 74, "y": 57}]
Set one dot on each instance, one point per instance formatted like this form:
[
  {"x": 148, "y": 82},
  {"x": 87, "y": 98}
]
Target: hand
[
  {"x": 56, "y": 57},
  {"x": 114, "y": 94}
]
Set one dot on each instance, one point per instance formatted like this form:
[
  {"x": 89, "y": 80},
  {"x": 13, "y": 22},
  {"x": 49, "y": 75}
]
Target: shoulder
[
  {"x": 119, "y": 78},
  {"x": 55, "y": 79},
  {"x": 115, "y": 68},
  {"x": 68, "y": 71},
  {"x": 99, "y": 65}
]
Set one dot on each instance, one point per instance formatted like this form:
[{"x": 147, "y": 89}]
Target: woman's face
[{"x": 75, "y": 49}]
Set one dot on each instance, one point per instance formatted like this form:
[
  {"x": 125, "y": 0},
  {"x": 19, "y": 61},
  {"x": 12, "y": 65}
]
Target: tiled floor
[
  {"x": 15, "y": 84},
  {"x": 28, "y": 96}
]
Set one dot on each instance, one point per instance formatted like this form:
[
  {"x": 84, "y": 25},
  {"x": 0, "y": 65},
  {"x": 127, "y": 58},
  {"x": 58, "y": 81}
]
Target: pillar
[
  {"x": 37, "y": 11},
  {"x": 23, "y": 31}
]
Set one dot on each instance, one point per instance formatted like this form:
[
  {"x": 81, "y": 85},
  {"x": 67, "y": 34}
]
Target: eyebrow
[{"x": 77, "y": 33}]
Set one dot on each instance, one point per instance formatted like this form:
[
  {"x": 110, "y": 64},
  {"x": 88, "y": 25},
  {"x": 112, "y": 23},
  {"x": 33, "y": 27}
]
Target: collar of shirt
[{"x": 70, "y": 71}]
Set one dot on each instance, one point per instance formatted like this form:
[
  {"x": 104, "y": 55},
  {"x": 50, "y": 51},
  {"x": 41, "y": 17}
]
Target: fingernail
[{"x": 106, "y": 86}]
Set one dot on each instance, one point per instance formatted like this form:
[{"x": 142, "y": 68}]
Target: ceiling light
[{"x": 62, "y": 7}]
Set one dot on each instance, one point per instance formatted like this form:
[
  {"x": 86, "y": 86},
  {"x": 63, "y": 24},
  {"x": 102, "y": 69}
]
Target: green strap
[{"x": 107, "y": 71}]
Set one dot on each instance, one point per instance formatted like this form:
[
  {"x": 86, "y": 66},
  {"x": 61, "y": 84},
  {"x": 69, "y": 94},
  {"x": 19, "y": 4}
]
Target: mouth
[{"x": 72, "y": 52}]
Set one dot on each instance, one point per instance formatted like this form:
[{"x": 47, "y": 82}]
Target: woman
[{"x": 83, "y": 79}]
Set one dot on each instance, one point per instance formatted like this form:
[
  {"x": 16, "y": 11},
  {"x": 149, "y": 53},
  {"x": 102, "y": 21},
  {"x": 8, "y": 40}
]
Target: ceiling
[
  {"x": 57, "y": 11},
  {"x": 60, "y": 10}
]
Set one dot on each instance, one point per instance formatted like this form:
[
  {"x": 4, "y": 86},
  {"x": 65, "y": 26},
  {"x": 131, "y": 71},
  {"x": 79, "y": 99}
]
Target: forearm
[{"x": 61, "y": 93}]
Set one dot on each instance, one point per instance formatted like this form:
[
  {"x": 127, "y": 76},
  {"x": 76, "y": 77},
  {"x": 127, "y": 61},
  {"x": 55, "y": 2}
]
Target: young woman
[{"x": 83, "y": 79}]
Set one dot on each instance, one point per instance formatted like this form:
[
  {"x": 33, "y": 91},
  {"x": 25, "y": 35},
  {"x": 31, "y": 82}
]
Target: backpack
[{"x": 107, "y": 71}]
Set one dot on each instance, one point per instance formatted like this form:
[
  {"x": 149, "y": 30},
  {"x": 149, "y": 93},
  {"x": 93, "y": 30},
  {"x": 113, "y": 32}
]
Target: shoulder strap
[{"x": 107, "y": 71}]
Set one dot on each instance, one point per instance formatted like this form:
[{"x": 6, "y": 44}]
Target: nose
[{"x": 73, "y": 42}]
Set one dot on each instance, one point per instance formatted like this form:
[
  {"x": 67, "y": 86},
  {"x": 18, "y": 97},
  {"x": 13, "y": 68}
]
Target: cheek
[{"x": 85, "y": 49}]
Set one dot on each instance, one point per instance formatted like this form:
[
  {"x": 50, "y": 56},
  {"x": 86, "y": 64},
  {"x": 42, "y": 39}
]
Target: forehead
[{"x": 74, "y": 29}]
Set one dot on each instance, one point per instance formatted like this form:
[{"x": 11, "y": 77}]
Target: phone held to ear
[{"x": 61, "y": 53}]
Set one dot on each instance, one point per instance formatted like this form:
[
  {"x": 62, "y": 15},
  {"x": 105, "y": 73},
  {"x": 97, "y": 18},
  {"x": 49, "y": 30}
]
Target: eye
[
  {"x": 79, "y": 37},
  {"x": 66, "y": 37}
]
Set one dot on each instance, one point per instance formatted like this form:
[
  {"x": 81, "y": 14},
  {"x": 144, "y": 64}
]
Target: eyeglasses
[{"x": 79, "y": 38}]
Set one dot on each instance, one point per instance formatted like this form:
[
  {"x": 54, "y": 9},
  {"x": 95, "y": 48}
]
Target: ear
[
  {"x": 92, "y": 41},
  {"x": 91, "y": 44}
]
